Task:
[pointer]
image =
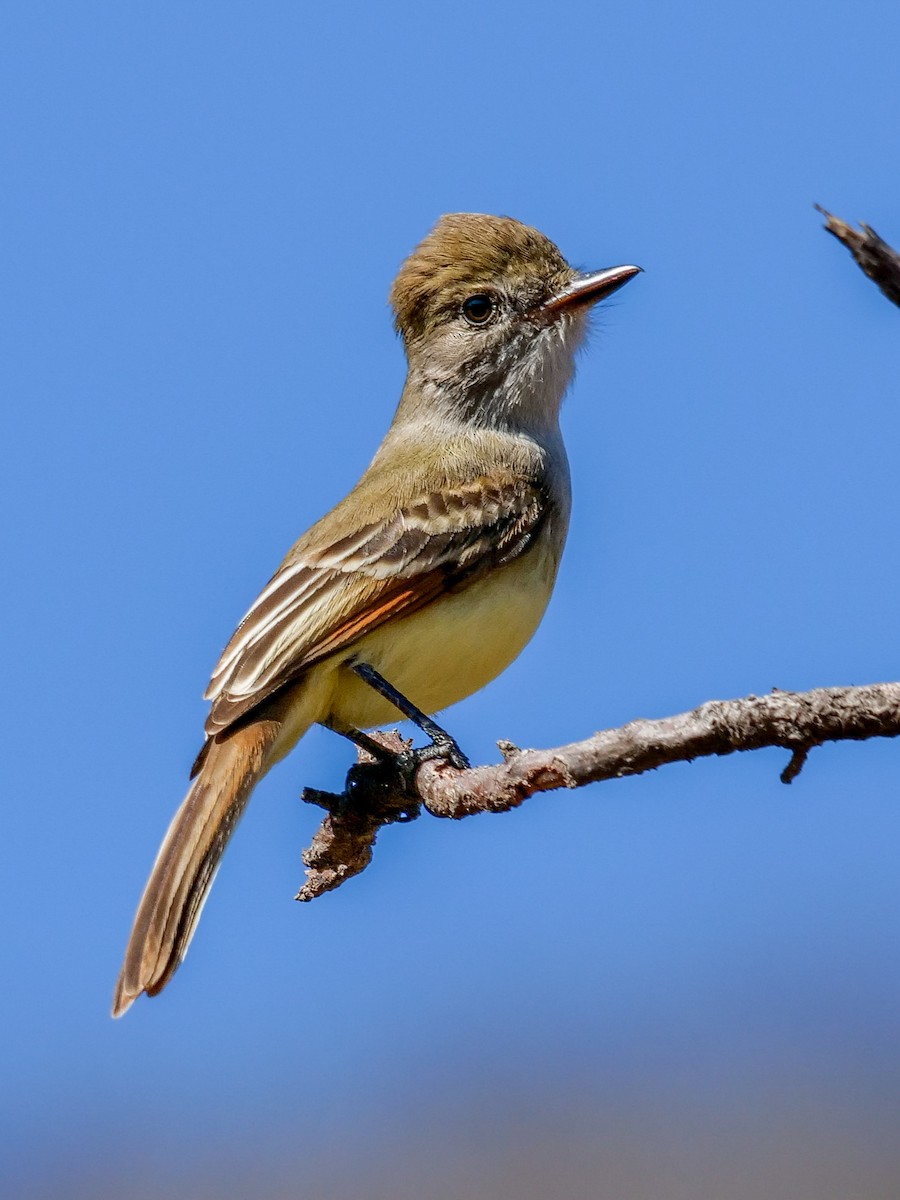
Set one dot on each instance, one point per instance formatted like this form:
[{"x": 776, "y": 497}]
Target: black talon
[
  {"x": 445, "y": 748},
  {"x": 411, "y": 760}
]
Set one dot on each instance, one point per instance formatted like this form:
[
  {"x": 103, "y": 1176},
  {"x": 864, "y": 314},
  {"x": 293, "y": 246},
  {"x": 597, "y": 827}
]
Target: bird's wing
[{"x": 330, "y": 592}]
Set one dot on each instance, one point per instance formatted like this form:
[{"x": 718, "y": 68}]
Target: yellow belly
[{"x": 448, "y": 650}]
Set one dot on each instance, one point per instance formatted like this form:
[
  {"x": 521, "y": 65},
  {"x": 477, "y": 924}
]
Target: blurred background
[{"x": 202, "y": 209}]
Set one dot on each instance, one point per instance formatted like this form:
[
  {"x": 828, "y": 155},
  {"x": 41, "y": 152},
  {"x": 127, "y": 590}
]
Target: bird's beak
[{"x": 588, "y": 289}]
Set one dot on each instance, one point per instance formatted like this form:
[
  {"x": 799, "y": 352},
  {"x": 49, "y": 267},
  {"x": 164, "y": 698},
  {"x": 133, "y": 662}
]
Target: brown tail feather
[{"x": 188, "y": 859}]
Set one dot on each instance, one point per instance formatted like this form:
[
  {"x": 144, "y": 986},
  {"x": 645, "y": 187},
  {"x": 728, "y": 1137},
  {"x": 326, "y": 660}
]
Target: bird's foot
[{"x": 442, "y": 746}]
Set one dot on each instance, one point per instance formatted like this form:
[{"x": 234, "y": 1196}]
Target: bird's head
[{"x": 491, "y": 316}]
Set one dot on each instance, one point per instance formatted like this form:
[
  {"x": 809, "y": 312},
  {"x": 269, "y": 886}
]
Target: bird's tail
[{"x": 189, "y": 858}]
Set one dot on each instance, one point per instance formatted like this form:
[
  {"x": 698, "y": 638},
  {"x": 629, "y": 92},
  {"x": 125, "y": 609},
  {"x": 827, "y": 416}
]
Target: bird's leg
[
  {"x": 442, "y": 744},
  {"x": 363, "y": 741}
]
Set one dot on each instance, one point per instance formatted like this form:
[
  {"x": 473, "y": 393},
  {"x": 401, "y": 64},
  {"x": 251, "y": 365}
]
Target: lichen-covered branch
[
  {"x": 376, "y": 794},
  {"x": 876, "y": 258}
]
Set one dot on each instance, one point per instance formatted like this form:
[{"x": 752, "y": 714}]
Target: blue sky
[{"x": 202, "y": 210}]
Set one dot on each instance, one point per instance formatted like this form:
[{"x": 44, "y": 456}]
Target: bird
[{"x": 427, "y": 580}]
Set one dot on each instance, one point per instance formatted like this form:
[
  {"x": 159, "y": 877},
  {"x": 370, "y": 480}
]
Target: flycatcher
[{"x": 427, "y": 580}]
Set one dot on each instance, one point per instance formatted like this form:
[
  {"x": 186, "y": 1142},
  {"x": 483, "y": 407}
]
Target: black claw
[
  {"x": 448, "y": 749},
  {"x": 439, "y": 748}
]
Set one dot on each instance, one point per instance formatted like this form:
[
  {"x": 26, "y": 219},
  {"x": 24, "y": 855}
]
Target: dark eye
[{"x": 479, "y": 309}]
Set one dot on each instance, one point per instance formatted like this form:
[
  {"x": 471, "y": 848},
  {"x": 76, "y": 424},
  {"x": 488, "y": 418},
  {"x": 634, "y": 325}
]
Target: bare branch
[
  {"x": 377, "y": 794},
  {"x": 876, "y": 258}
]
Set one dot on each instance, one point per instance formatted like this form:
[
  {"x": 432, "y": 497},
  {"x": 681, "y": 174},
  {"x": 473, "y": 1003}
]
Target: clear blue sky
[{"x": 202, "y": 209}]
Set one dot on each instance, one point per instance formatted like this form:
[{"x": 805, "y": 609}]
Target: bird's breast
[{"x": 452, "y": 647}]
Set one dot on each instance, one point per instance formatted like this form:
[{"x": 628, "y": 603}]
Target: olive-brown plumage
[{"x": 433, "y": 572}]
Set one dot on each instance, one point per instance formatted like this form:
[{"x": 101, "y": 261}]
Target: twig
[
  {"x": 796, "y": 764},
  {"x": 797, "y": 721},
  {"x": 876, "y": 258}
]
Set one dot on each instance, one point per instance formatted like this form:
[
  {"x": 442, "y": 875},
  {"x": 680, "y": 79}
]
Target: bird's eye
[{"x": 479, "y": 309}]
